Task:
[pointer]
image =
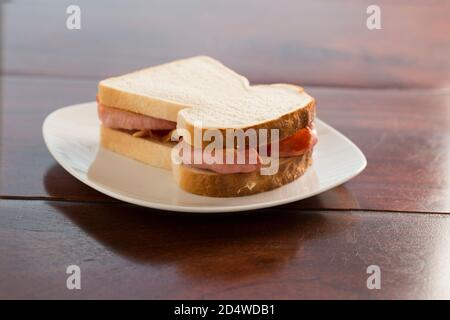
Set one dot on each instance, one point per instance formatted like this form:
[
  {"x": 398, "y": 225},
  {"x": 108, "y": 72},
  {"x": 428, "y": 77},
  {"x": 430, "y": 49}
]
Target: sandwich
[{"x": 169, "y": 116}]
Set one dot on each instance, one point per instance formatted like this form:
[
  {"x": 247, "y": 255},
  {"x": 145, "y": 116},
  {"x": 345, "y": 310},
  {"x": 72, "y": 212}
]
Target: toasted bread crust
[
  {"x": 141, "y": 149},
  {"x": 212, "y": 184}
]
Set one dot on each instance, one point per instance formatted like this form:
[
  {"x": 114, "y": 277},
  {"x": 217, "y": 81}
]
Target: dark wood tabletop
[{"x": 388, "y": 90}]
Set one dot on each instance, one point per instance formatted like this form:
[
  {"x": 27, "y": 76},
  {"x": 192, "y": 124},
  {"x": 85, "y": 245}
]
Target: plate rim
[{"x": 197, "y": 209}]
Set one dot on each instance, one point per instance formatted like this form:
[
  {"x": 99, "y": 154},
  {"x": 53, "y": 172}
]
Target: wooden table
[{"x": 387, "y": 90}]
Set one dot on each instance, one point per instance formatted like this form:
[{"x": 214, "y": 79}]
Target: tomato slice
[{"x": 297, "y": 144}]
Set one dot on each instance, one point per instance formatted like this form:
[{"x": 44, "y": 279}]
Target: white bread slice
[
  {"x": 203, "y": 89},
  {"x": 146, "y": 150},
  {"x": 208, "y": 183}
]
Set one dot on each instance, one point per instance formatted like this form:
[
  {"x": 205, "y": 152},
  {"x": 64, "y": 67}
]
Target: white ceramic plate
[{"x": 72, "y": 137}]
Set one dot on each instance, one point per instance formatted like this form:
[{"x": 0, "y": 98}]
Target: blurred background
[{"x": 312, "y": 43}]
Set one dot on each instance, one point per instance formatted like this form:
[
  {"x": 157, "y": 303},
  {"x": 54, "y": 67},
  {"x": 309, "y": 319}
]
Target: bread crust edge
[
  {"x": 206, "y": 183},
  {"x": 287, "y": 124}
]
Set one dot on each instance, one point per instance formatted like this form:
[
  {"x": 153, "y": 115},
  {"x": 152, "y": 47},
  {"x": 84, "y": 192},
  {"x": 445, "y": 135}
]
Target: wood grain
[
  {"x": 405, "y": 136},
  {"x": 316, "y": 42},
  {"x": 129, "y": 252},
  {"x": 25, "y": 160}
]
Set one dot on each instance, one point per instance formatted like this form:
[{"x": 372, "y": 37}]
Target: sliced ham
[
  {"x": 293, "y": 146},
  {"x": 115, "y": 118},
  {"x": 243, "y": 161}
]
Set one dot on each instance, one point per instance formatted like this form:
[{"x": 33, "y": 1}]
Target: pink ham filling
[
  {"x": 286, "y": 150},
  {"x": 115, "y": 118},
  {"x": 252, "y": 161}
]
